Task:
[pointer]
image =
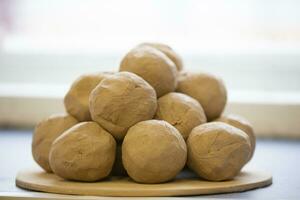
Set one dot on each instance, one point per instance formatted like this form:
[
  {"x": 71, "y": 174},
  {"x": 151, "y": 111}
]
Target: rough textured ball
[
  {"x": 168, "y": 51},
  {"x": 77, "y": 98},
  {"x": 208, "y": 89},
  {"x": 153, "y": 152},
  {"x": 217, "y": 151},
  {"x": 153, "y": 66},
  {"x": 85, "y": 152},
  {"x": 181, "y": 111},
  {"x": 45, "y": 133},
  {"x": 120, "y": 101},
  {"x": 243, "y": 124}
]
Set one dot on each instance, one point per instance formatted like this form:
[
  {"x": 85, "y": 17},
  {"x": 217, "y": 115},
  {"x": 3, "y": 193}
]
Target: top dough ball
[
  {"x": 181, "y": 111},
  {"x": 153, "y": 152},
  {"x": 77, "y": 98},
  {"x": 120, "y": 101},
  {"x": 45, "y": 133},
  {"x": 243, "y": 124},
  {"x": 209, "y": 90},
  {"x": 153, "y": 66},
  {"x": 217, "y": 151},
  {"x": 85, "y": 152},
  {"x": 168, "y": 51}
]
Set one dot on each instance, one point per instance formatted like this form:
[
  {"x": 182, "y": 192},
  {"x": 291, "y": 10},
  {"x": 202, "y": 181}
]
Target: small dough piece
[
  {"x": 168, "y": 51},
  {"x": 217, "y": 151},
  {"x": 181, "y": 111},
  {"x": 153, "y": 152},
  {"x": 153, "y": 66},
  {"x": 120, "y": 101},
  {"x": 77, "y": 98},
  {"x": 45, "y": 133},
  {"x": 118, "y": 168},
  {"x": 85, "y": 152},
  {"x": 243, "y": 124},
  {"x": 208, "y": 89}
]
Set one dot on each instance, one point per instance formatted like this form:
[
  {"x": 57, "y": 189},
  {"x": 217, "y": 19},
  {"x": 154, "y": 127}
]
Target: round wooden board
[{"x": 186, "y": 183}]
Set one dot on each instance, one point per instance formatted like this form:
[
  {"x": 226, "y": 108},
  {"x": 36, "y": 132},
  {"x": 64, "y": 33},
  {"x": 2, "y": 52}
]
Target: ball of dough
[
  {"x": 153, "y": 152},
  {"x": 118, "y": 168},
  {"x": 209, "y": 90},
  {"x": 85, "y": 152},
  {"x": 181, "y": 111},
  {"x": 243, "y": 124},
  {"x": 45, "y": 133},
  {"x": 153, "y": 66},
  {"x": 168, "y": 51},
  {"x": 217, "y": 151},
  {"x": 120, "y": 101},
  {"x": 77, "y": 98}
]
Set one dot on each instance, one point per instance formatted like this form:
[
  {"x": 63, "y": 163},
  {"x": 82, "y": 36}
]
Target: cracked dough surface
[
  {"x": 168, "y": 51},
  {"x": 181, "y": 111},
  {"x": 45, "y": 133},
  {"x": 153, "y": 152},
  {"x": 153, "y": 66},
  {"x": 217, "y": 151},
  {"x": 120, "y": 101},
  {"x": 207, "y": 89},
  {"x": 76, "y": 100},
  {"x": 243, "y": 124},
  {"x": 85, "y": 152}
]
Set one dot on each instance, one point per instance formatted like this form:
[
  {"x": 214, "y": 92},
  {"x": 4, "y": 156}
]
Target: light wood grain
[{"x": 185, "y": 184}]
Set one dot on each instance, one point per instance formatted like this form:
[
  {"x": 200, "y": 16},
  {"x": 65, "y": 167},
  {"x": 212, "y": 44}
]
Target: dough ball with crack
[
  {"x": 181, "y": 111},
  {"x": 208, "y": 89},
  {"x": 120, "y": 101},
  {"x": 85, "y": 152},
  {"x": 77, "y": 98},
  {"x": 153, "y": 66},
  {"x": 168, "y": 51},
  {"x": 153, "y": 152},
  {"x": 45, "y": 133},
  {"x": 243, "y": 124},
  {"x": 217, "y": 151}
]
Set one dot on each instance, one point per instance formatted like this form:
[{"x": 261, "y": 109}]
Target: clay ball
[
  {"x": 153, "y": 66},
  {"x": 77, "y": 98},
  {"x": 120, "y": 101},
  {"x": 208, "y": 89},
  {"x": 181, "y": 111},
  {"x": 168, "y": 51},
  {"x": 85, "y": 152},
  {"x": 153, "y": 152},
  {"x": 45, "y": 133},
  {"x": 243, "y": 124},
  {"x": 217, "y": 151}
]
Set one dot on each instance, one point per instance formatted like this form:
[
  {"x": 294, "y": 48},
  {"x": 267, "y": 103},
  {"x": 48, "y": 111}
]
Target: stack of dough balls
[{"x": 147, "y": 121}]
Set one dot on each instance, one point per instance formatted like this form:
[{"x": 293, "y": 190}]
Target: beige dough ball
[
  {"x": 243, "y": 124},
  {"x": 77, "y": 98},
  {"x": 181, "y": 111},
  {"x": 153, "y": 152},
  {"x": 120, "y": 101},
  {"x": 118, "y": 168},
  {"x": 217, "y": 151},
  {"x": 153, "y": 66},
  {"x": 209, "y": 90},
  {"x": 168, "y": 51},
  {"x": 85, "y": 152},
  {"x": 45, "y": 133}
]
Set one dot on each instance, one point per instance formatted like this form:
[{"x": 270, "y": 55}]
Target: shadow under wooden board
[{"x": 185, "y": 184}]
